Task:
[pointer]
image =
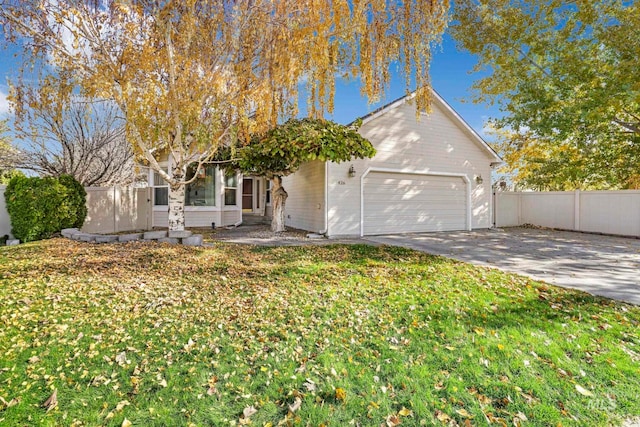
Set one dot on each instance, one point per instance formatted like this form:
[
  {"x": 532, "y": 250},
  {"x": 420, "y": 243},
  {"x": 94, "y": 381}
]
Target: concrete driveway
[{"x": 601, "y": 265}]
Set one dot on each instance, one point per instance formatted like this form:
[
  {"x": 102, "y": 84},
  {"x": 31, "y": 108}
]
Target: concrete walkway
[{"x": 601, "y": 265}]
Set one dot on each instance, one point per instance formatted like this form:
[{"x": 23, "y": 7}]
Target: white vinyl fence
[
  {"x": 110, "y": 210},
  {"x": 607, "y": 212},
  {"x": 115, "y": 209},
  {"x": 5, "y": 222}
]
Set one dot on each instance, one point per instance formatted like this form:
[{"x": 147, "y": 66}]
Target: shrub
[
  {"x": 76, "y": 199},
  {"x": 40, "y": 207}
]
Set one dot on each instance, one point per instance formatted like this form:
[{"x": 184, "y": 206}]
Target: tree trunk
[
  {"x": 279, "y": 198},
  {"x": 176, "y": 207}
]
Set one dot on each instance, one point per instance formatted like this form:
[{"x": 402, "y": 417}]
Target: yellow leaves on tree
[{"x": 191, "y": 76}]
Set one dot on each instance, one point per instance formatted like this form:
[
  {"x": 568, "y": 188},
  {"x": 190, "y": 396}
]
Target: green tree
[
  {"x": 566, "y": 77},
  {"x": 190, "y": 75},
  {"x": 282, "y": 150}
]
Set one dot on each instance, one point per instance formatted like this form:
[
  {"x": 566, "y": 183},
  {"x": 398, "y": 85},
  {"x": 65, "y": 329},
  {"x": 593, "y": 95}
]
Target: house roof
[{"x": 449, "y": 111}]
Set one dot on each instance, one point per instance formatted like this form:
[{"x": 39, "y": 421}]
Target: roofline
[{"x": 448, "y": 108}]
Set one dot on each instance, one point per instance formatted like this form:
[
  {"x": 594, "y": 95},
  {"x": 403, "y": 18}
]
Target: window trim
[
  {"x": 201, "y": 173},
  {"x": 154, "y": 185},
  {"x": 235, "y": 189}
]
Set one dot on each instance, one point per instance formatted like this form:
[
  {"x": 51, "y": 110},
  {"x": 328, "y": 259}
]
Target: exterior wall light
[
  {"x": 352, "y": 172},
  {"x": 479, "y": 179}
]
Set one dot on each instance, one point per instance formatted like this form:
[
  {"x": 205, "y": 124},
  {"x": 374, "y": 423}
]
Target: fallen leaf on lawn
[
  {"x": 341, "y": 394},
  {"x": 439, "y": 386},
  {"x": 521, "y": 416},
  {"x": 484, "y": 400},
  {"x": 126, "y": 423},
  {"x": 309, "y": 385},
  {"x": 296, "y": 405},
  {"x": 463, "y": 413},
  {"x": 121, "y": 358},
  {"x": 9, "y": 404},
  {"x": 248, "y": 411},
  {"x": 163, "y": 383},
  {"x": 404, "y": 412},
  {"x": 120, "y": 406},
  {"x": 583, "y": 391},
  {"x": 34, "y": 359},
  {"x": 52, "y": 401},
  {"x": 393, "y": 421},
  {"x": 443, "y": 417}
]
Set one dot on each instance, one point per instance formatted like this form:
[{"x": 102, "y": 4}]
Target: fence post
[
  {"x": 576, "y": 210},
  {"x": 496, "y": 203},
  {"x": 116, "y": 209}
]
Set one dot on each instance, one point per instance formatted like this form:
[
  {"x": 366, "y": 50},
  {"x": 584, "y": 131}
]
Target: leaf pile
[{"x": 144, "y": 334}]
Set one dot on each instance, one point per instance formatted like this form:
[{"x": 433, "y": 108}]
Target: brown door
[{"x": 247, "y": 194}]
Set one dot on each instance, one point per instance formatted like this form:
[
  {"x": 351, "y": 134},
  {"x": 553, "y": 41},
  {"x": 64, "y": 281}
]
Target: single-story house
[{"x": 431, "y": 173}]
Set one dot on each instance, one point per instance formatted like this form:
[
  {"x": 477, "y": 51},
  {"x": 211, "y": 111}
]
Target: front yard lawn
[{"x": 144, "y": 334}]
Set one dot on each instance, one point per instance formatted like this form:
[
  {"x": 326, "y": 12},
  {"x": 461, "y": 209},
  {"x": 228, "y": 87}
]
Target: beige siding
[
  {"x": 435, "y": 143},
  {"x": 230, "y": 217},
  {"x": 401, "y": 203},
  {"x": 305, "y": 205},
  {"x": 200, "y": 217}
]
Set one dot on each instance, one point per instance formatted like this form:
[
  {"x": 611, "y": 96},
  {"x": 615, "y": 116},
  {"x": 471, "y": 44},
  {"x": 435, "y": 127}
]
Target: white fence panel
[
  {"x": 507, "y": 210},
  {"x": 608, "y": 212},
  {"x": 553, "y": 209},
  {"x": 115, "y": 209},
  {"x": 611, "y": 212},
  {"x": 5, "y": 222}
]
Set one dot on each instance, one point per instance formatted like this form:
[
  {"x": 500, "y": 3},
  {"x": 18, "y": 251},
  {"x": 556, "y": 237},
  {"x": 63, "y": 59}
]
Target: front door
[{"x": 247, "y": 195}]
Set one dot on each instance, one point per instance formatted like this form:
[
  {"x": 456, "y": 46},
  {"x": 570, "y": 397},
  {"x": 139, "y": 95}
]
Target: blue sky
[{"x": 449, "y": 74}]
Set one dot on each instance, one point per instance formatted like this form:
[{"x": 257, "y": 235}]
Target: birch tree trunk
[
  {"x": 177, "y": 190},
  {"x": 176, "y": 207},
  {"x": 279, "y": 197}
]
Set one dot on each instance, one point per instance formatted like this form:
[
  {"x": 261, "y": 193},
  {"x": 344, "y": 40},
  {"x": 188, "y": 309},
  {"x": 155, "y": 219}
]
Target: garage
[{"x": 413, "y": 203}]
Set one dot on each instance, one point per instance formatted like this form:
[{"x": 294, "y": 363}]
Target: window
[
  {"x": 268, "y": 193},
  {"x": 230, "y": 189},
  {"x": 200, "y": 192},
  {"x": 160, "y": 190}
]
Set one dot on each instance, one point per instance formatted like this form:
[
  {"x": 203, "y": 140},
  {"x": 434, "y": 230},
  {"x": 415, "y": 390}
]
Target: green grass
[{"x": 160, "y": 335}]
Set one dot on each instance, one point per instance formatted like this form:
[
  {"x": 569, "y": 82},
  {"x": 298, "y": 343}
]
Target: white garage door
[{"x": 406, "y": 203}]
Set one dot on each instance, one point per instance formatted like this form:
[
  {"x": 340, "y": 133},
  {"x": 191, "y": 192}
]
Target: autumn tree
[
  {"x": 72, "y": 135},
  {"x": 282, "y": 150},
  {"x": 9, "y": 157},
  {"x": 192, "y": 75},
  {"x": 566, "y": 77}
]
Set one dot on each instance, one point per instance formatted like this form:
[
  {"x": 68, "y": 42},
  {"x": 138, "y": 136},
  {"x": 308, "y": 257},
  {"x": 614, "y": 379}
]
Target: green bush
[
  {"x": 40, "y": 207},
  {"x": 76, "y": 199}
]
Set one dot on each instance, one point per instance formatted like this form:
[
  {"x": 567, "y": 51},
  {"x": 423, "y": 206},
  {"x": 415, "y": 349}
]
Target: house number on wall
[{"x": 341, "y": 183}]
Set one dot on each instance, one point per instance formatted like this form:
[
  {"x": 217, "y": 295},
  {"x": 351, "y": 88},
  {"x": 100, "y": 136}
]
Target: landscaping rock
[
  {"x": 315, "y": 236},
  {"x": 84, "y": 237},
  {"x": 180, "y": 234},
  {"x": 68, "y": 232},
  {"x": 13, "y": 242},
  {"x": 153, "y": 235},
  {"x": 130, "y": 237},
  {"x": 106, "y": 239},
  {"x": 172, "y": 240},
  {"x": 194, "y": 240}
]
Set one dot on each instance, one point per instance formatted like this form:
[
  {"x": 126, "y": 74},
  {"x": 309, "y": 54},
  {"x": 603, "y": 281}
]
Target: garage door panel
[{"x": 405, "y": 203}]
